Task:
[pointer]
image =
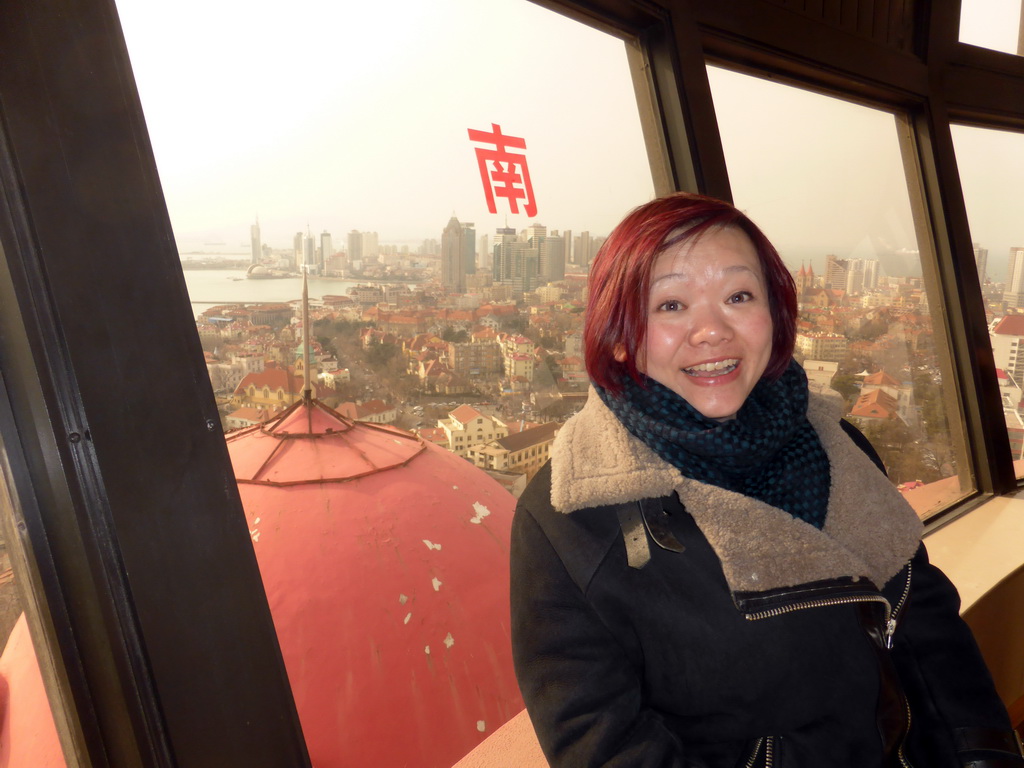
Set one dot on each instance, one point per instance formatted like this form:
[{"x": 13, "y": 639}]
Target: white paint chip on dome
[
  {"x": 481, "y": 726},
  {"x": 427, "y": 650},
  {"x": 402, "y": 599},
  {"x": 431, "y": 545},
  {"x": 449, "y": 641},
  {"x": 481, "y": 513},
  {"x": 407, "y": 617},
  {"x": 436, "y": 582}
]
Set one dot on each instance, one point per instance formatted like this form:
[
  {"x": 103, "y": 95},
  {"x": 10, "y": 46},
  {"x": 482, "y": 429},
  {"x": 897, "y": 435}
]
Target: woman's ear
[{"x": 619, "y": 353}]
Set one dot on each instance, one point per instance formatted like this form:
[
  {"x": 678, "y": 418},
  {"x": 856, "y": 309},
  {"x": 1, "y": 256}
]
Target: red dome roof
[
  {"x": 385, "y": 561},
  {"x": 28, "y": 736}
]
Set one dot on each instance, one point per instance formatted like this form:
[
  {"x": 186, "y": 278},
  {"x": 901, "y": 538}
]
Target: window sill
[{"x": 980, "y": 549}]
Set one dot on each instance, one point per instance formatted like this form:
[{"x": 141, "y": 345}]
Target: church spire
[{"x": 307, "y": 388}]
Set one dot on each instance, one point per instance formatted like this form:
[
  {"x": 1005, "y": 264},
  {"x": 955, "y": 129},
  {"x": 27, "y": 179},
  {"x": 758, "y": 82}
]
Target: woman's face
[{"x": 709, "y": 325}]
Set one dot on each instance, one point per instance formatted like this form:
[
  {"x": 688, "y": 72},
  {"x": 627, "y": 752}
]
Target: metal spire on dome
[{"x": 307, "y": 389}]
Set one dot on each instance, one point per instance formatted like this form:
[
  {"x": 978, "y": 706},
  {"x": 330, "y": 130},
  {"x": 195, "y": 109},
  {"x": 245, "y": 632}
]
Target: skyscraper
[
  {"x": 371, "y": 246},
  {"x": 453, "y": 273},
  {"x": 469, "y": 247},
  {"x": 836, "y": 272},
  {"x": 309, "y": 253},
  {"x": 861, "y": 276},
  {"x": 355, "y": 249},
  {"x": 484, "y": 250},
  {"x": 981, "y": 259},
  {"x": 326, "y": 250},
  {"x": 1014, "y": 295},
  {"x": 581, "y": 250},
  {"x": 256, "y": 243},
  {"x": 552, "y": 258}
]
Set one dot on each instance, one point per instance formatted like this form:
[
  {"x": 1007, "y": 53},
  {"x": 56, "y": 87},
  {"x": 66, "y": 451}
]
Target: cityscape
[{"x": 472, "y": 341}]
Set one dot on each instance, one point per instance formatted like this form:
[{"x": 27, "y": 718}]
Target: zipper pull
[{"x": 890, "y": 630}]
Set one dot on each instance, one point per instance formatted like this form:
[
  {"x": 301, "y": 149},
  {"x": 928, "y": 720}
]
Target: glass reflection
[
  {"x": 991, "y": 164},
  {"x": 824, "y": 178}
]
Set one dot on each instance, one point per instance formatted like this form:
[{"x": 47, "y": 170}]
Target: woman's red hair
[{"x": 620, "y": 275}]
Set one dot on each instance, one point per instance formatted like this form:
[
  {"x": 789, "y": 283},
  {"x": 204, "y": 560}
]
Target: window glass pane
[
  {"x": 359, "y": 142},
  {"x": 994, "y": 24},
  {"x": 991, "y": 165},
  {"x": 824, "y": 178},
  {"x": 26, "y": 708},
  {"x": 361, "y": 150}
]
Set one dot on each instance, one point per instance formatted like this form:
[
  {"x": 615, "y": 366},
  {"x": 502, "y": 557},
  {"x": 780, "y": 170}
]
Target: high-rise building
[
  {"x": 552, "y": 258},
  {"x": 861, "y": 276},
  {"x": 484, "y": 251},
  {"x": 469, "y": 247},
  {"x": 355, "y": 249},
  {"x": 872, "y": 274},
  {"x": 581, "y": 250},
  {"x": 371, "y": 246},
  {"x": 309, "y": 253},
  {"x": 504, "y": 239},
  {"x": 535, "y": 235},
  {"x": 326, "y": 249},
  {"x": 567, "y": 246},
  {"x": 836, "y": 271},
  {"x": 525, "y": 267},
  {"x": 256, "y": 243},
  {"x": 453, "y": 269},
  {"x": 981, "y": 259},
  {"x": 1014, "y": 295},
  {"x": 297, "y": 248}
]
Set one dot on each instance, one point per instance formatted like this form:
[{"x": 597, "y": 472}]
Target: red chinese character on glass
[{"x": 504, "y": 173}]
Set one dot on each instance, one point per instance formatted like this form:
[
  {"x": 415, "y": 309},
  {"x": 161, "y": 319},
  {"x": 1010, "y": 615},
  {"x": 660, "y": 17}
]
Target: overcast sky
[{"x": 345, "y": 115}]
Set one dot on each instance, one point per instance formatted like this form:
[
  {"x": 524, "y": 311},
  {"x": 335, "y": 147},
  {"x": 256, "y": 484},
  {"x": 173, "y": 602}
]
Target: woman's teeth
[{"x": 712, "y": 369}]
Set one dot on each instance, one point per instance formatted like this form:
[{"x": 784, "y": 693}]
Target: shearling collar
[{"x": 870, "y": 530}]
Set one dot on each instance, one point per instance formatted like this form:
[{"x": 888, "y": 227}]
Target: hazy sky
[
  {"x": 350, "y": 116},
  {"x": 342, "y": 115}
]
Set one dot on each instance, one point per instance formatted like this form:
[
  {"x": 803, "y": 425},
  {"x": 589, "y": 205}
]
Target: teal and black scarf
[{"x": 769, "y": 451}]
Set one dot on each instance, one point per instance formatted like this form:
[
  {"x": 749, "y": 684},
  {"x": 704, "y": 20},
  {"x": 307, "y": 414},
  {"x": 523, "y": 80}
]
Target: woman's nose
[{"x": 710, "y": 326}]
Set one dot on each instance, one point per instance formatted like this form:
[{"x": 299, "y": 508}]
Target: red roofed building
[
  {"x": 874, "y": 405},
  {"x": 466, "y": 427},
  {"x": 374, "y": 411},
  {"x": 524, "y": 452},
  {"x": 1007, "y": 336},
  {"x": 274, "y": 388}
]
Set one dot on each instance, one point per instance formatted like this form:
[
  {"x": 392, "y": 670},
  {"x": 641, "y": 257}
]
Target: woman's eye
[
  {"x": 740, "y": 297},
  {"x": 670, "y": 306}
]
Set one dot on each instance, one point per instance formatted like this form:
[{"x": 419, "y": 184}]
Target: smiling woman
[
  {"x": 709, "y": 327},
  {"x": 785, "y": 560}
]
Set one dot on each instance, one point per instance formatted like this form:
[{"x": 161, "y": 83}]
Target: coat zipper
[
  {"x": 755, "y": 753},
  {"x": 825, "y": 602},
  {"x": 769, "y": 752},
  {"x": 890, "y": 624},
  {"x": 904, "y": 763},
  {"x": 891, "y": 614}
]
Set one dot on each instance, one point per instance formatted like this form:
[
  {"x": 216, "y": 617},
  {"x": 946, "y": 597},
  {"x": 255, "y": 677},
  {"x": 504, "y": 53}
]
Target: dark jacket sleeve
[
  {"x": 582, "y": 692},
  {"x": 957, "y": 718}
]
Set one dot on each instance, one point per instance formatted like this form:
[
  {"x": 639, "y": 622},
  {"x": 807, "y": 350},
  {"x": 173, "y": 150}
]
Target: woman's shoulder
[
  {"x": 579, "y": 539},
  {"x": 595, "y": 462}
]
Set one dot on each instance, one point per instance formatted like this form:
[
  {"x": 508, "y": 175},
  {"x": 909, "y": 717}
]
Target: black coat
[{"x": 638, "y": 640}]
